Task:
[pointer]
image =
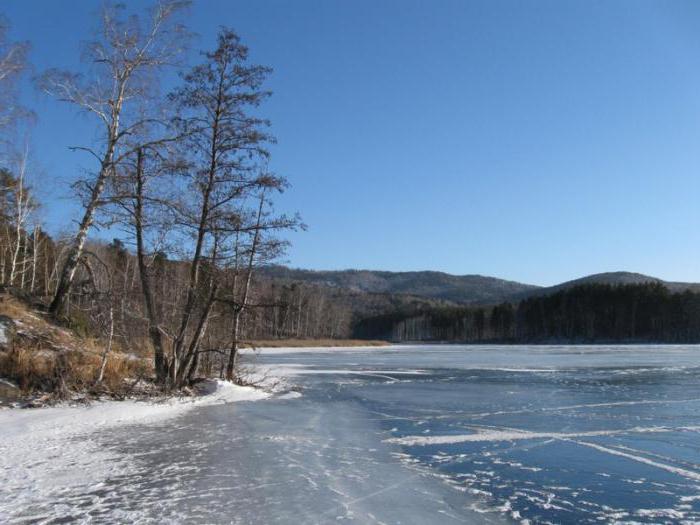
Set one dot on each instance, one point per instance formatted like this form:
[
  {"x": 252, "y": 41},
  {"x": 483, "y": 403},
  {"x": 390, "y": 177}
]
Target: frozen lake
[{"x": 429, "y": 434}]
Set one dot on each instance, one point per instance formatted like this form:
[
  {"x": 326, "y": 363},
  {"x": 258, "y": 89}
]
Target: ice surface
[
  {"x": 537, "y": 434},
  {"x": 436, "y": 434},
  {"x": 515, "y": 435},
  {"x": 49, "y": 452}
]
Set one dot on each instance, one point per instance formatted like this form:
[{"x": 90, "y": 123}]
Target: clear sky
[{"x": 536, "y": 141}]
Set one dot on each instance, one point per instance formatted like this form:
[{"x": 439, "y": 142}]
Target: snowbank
[
  {"x": 315, "y": 349},
  {"x": 71, "y": 420},
  {"x": 44, "y": 451}
]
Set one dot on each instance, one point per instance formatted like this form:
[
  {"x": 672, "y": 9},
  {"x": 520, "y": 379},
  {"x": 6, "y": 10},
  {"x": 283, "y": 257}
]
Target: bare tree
[
  {"x": 139, "y": 204},
  {"x": 263, "y": 246},
  {"x": 96, "y": 291},
  {"x": 124, "y": 58},
  {"x": 24, "y": 205},
  {"x": 13, "y": 62},
  {"x": 36, "y": 244},
  {"x": 225, "y": 143}
]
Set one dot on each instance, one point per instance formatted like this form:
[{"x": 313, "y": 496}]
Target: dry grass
[
  {"x": 33, "y": 328},
  {"x": 46, "y": 358},
  {"x": 62, "y": 373},
  {"x": 11, "y": 307},
  {"x": 314, "y": 343}
]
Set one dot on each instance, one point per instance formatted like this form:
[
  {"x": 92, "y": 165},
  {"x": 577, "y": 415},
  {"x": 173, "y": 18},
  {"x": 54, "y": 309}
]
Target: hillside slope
[
  {"x": 462, "y": 289},
  {"x": 613, "y": 278},
  {"x": 41, "y": 360}
]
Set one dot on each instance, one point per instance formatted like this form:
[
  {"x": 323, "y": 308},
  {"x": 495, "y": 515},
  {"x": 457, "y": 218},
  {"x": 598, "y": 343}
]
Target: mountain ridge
[
  {"x": 463, "y": 289},
  {"x": 467, "y": 289},
  {"x": 617, "y": 278}
]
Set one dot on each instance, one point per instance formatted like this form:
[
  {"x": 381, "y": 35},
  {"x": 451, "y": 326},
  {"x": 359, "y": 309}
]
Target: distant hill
[
  {"x": 455, "y": 289},
  {"x": 461, "y": 289},
  {"x": 611, "y": 278}
]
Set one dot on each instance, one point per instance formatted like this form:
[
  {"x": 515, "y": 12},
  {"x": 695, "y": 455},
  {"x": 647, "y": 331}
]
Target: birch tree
[
  {"x": 123, "y": 60},
  {"x": 23, "y": 206},
  {"x": 13, "y": 62}
]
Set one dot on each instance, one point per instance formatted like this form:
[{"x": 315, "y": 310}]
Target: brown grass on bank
[
  {"x": 50, "y": 359},
  {"x": 314, "y": 343},
  {"x": 65, "y": 372},
  {"x": 62, "y": 361},
  {"x": 11, "y": 307}
]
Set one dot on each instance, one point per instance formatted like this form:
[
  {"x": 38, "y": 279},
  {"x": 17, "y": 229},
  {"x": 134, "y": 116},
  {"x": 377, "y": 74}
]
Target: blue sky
[{"x": 536, "y": 141}]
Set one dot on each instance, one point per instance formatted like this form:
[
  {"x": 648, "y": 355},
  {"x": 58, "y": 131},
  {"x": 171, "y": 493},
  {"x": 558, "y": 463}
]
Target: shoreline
[
  {"x": 45, "y": 450},
  {"x": 270, "y": 350},
  {"x": 74, "y": 418},
  {"x": 302, "y": 344},
  {"x": 315, "y": 343}
]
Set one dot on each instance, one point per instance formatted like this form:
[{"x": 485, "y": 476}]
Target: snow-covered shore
[
  {"x": 276, "y": 350},
  {"x": 54, "y": 450},
  {"x": 62, "y": 421}
]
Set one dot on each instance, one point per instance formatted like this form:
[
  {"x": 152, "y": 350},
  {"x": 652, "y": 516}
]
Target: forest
[{"x": 589, "y": 313}]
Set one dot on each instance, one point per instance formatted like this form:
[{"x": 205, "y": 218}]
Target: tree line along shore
[{"x": 588, "y": 313}]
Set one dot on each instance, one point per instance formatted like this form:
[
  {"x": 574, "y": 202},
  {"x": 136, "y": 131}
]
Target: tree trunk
[
  {"x": 35, "y": 252},
  {"x": 25, "y": 259},
  {"x": 189, "y": 361},
  {"x": 106, "y": 167},
  {"x": 154, "y": 332},
  {"x": 108, "y": 349},
  {"x": 65, "y": 282},
  {"x": 177, "y": 365},
  {"x": 233, "y": 350},
  {"x": 18, "y": 230},
  {"x": 233, "y": 353}
]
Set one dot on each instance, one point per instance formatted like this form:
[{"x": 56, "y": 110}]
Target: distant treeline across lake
[{"x": 646, "y": 312}]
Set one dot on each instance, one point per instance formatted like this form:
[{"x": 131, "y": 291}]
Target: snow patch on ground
[
  {"x": 315, "y": 349},
  {"x": 690, "y": 474},
  {"x": 289, "y": 370},
  {"x": 71, "y": 420},
  {"x": 482, "y": 435},
  {"x": 290, "y": 395},
  {"x": 53, "y": 450}
]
